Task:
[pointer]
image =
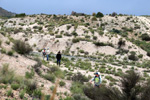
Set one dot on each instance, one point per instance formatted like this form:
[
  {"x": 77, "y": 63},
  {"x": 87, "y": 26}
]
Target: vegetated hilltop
[
  {"x": 5, "y": 13},
  {"x": 110, "y": 44}
]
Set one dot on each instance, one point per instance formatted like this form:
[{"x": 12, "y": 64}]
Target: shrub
[
  {"x": 10, "y": 53},
  {"x": 74, "y": 33},
  {"x": 75, "y": 40},
  {"x": 99, "y": 14},
  {"x": 99, "y": 44},
  {"x": 37, "y": 93},
  {"x": 94, "y": 37},
  {"x": 22, "y": 93},
  {"x": 145, "y": 37},
  {"x": 114, "y": 14},
  {"x": 49, "y": 77},
  {"x": 76, "y": 88},
  {"x": 121, "y": 43},
  {"x": 22, "y": 47},
  {"x": 15, "y": 86},
  {"x": 80, "y": 97},
  {"x": 9, "y": 93},
  {"x": 30, "y": 86},
  {"x": 7, "y": 76},
  {"x": 30, "y": 74},
  {"x": 133, "y": 57},
  {"x": 68, "y": 27},
  {"x": 58, "y": 36},
  {"x": 148, "y": 53},
  {"x": 21, "y": 15},
  {"x": 61, "y": 83},
  {"x": 79, "y": 78},
  {"x": 94, "y": 19}
]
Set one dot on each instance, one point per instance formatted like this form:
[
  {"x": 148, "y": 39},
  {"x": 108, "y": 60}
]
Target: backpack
[
  {"x": 44, "y": 53},
  {"x": 97, "y": 79}
]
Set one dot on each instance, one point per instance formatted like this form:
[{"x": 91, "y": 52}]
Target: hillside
[
  {"x": 5, "y": 13},
  {"x": 111, "y": 45}
]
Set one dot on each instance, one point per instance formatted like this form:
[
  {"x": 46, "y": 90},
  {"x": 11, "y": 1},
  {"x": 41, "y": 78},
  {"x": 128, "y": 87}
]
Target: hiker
[
  {"x": 44, "y": 53},
  {"x": 47, "y": 53},
  {"x": 58, "y": 57},
  {"x": 97, "y": 79}
]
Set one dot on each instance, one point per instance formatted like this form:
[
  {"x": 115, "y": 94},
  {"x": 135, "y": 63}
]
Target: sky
[{"x": 130, "y": 7}]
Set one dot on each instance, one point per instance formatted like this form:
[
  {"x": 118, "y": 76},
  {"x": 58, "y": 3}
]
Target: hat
[{"x": 97, "y": 73}]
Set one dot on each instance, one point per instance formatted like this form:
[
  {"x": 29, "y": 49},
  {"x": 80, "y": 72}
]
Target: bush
[
  {"x": 75, "y": 40},
  {"x": 94, "y": 37},
  {"x": 68, "y": 27},
  {"x": 58, "y": 36},
  {"x": 148, "y": 53},
  {"x": 50, "y": 77},
  {"x": 99, "y": 14},
  {"x": 74, "y": 33},
  {"x": 79, "y": 78},
  {"x": 99, "y": 44},
  {"x": 21, "y": 15},
  {"x": 61, "y": 83},
  {"x": 21, "y": 95},
  {"x": 22, "y": 47},
  {"x": 10, "y": 53},
  {"x": 133, "y": 57},
  {"x": 15, "y": 86},
  {"x": 121, "y": 43},
  {"x": 145, "y": 37},
  {"x": 30, "y": 74},
  {"x": 30, "y": 86},
  {"x": 9, "y": 93},
  {"x": 7, "y": 76},
  {"x": 114, "y": 14},
  {"x": 94, "y": 19}
]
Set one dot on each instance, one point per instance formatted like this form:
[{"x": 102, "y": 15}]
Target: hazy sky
[{"x": 134, "y": 7}]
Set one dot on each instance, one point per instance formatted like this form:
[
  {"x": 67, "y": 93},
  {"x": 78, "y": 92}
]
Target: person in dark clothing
[{"x": 58, "y": 57}]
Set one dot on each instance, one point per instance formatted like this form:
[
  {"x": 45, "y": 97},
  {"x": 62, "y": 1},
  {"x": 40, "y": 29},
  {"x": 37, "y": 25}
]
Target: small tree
[
  {"x": 99, "y": 14},
  {"x": 114, "y": 14}
]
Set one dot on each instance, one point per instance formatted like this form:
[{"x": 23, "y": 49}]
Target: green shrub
[
  {"x": 22, "y": 93},
  {"x": 76, "y": 88},
  {"x": 10, "y": 53},
  {"x": 21, "y": 15},
  {"x": 15, "y": 86},
  {"x": 133, "y": 57},
  {"x": 9, "y": 93},
  {"x": 7, "y": 75},
  {"x": 22, "y": 47},
  {"x": 94, "y": 37},
  {"x": 74, "y": 33},
  {"x": 49, "y": 77},
  {"x": 79, "y": 78},
  {"x": 58, "y": 36},
  {"x": 37, "y": 93},
  {"x": 94, "y": 19},
  {"x": 145, "y": 37},
  {"x": 61, "y": 83},
  {"x": 30, "y": 74},
  {"x": 75, "y": 40},
  {"x": 99, "y": 14},
  {"x": 68, "y": 27}
]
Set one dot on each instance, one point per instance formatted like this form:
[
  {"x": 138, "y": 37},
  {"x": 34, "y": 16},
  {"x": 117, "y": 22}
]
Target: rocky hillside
[
  {"x": 112, "y": 45},
  {"x": 5, "y": 13}
]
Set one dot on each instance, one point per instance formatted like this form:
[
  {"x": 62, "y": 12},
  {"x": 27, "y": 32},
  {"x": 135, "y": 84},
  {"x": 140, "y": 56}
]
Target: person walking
[
  {"x": 58, "y": 57},
  {"x": 44, "y": 53},
  {"x": 97, "y": 80},
  {"x": 47, "y": 54}
]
